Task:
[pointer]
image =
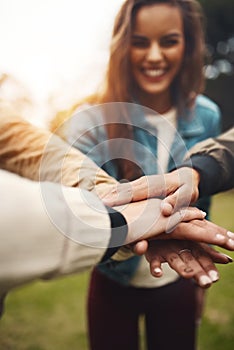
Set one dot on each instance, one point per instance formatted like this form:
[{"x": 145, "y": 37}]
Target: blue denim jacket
[{"x": 86, "y": 132}]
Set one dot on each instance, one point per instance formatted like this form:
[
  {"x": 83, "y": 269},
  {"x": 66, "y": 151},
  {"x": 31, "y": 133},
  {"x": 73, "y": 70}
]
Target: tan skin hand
[
  {"x": 198, "y": 231},
  {"x": 203, "y": 231},
  {"x": 186, "y": 253}
]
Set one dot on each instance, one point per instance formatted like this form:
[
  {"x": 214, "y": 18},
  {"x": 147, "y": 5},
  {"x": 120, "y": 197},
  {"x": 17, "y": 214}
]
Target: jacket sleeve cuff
[
  {"x": 119, "y": 231},
  {"x": 208, "y": 169}
]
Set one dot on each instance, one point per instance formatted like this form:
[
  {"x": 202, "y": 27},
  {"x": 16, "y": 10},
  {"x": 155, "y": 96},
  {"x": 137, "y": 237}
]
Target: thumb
[
  {"x": 173, "y": 202},
  {"x": 140, "y": 247}
]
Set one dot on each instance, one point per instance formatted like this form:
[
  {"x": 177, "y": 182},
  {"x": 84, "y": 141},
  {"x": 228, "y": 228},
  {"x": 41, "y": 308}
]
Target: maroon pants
[{"x": 114, "y": 310}]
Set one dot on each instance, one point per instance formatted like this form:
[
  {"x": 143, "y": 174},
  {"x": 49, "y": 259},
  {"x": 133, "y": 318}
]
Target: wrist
[{"x": 196, "y": 177}]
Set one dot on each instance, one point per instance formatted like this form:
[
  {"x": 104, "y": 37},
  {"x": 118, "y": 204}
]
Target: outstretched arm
[
  {"x": 180, "y": 188},
  {"x": 209, "y": 170},
  {"x": 37, "y": 154}
]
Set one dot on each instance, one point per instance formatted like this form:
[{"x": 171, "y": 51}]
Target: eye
[
  {"x": 139, "y": 42},
  {"x": 170, "y": 41}
]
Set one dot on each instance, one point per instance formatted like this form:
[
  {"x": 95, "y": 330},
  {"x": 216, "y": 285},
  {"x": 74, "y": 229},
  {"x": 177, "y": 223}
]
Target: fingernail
[
  {"x": 220, "y": 237},
  {"x": 214, "y": 276},
  {"x": 228, "y": 257},
  {"x": 231, "y": 242},
  {"x": 188, "y": 270},
  {"x": 205, "y": 281},
  {"x": 203, "y": 213},
  {"x": 230, "y": 234},
  {"x": 157, "y": 270}
]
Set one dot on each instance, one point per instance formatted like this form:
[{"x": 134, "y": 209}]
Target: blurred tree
[
  {"x": 14, "y": 92},
  {"x": 220, "y": 66},
  {"x": 220, "y": 23}
]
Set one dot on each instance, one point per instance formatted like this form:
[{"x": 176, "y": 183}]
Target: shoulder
[
  {"x": 203, "y": 120},
  {"x": 207, "y": 107},
  {"x": 85, "y": 119}
]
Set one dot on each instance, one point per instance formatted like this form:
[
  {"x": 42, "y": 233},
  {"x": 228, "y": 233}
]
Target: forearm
[
  {"x": 214, "y": 160},
  {"x": 21, "y": 148},
  {"x": 66, "y": 232},
  {"x": 211, "y": 177},
  {"x": 39, "y": 155}
]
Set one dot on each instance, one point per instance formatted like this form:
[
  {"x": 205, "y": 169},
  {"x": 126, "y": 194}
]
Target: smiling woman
[
  {"x": 156, "y": 62},
  {"x": 49, "y": 42}
]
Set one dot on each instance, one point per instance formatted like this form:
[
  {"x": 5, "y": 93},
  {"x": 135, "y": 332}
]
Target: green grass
[
  {"x": 217, "y": 330},
  {"x": 51, "y": 315}
]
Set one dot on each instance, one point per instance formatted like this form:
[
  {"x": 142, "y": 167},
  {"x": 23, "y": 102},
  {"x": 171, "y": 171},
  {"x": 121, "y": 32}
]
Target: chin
[{"x": 154, "y": 91}]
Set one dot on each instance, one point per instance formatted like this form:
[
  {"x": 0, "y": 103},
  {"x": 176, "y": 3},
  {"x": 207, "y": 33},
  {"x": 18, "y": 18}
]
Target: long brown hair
[{"x": 118, "y": 84}]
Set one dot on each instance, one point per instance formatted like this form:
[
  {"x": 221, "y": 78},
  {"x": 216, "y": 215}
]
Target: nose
[{"x": 154, "y": 52}]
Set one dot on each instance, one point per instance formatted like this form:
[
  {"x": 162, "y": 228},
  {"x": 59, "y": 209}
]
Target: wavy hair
[{"x": 118, "y": 84}]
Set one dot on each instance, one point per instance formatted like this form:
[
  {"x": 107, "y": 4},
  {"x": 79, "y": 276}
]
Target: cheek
[
  {"x": 177, "y": 58},
  {"x": 135, "y": 57}
]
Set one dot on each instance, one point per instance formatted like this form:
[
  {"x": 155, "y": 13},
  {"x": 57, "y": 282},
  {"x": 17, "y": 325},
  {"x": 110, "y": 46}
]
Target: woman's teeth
[{"x": 154, "y": 72}]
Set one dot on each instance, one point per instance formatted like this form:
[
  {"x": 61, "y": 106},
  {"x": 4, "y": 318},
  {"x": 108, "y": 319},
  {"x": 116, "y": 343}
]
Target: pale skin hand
[
  {"x": 180, "y": 188},
  {"x": 188, "y": 259},
  {"x": 145, "y": 219}
]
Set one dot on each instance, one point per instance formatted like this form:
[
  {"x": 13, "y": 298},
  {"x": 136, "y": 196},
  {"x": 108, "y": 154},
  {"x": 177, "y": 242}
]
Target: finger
[
  {"x": 216, "y": 256},
  {"x": 140, "y": 247},
  {"x": 206, "y": 262},
  {"x": 156, "y": 267},
  {"x": 210, "y": 268},
  {"x": 180, "y": 198},
  {"x": 184, "y": 190},
  {"x": 166, "y": 208},
  {"x": 177, "y": 264},
  {"x": 192, "y": 213},
  {"x": 204, "y": 231},
  {"x": 200, "y": 275},
  {"x": 230, "y": 243},
  {"x": 188, "y": 214}
]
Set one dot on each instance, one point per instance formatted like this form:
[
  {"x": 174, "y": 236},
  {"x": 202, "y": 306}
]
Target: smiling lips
[{"x": 153, "y": 72}]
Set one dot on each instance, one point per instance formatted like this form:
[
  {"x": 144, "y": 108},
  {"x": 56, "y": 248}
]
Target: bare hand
[
  {"x": 203, "y": 231},
  {"x": 145, "y": 219},
  {"x": 180, "y": 188},
  {"x": 198, "y": 231},
  {"x": 188, "y": 259}
]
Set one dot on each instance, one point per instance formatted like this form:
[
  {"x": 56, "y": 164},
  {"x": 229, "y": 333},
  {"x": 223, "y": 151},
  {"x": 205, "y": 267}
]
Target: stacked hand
[
  {"x": 186, "y": 250},
  {"x": 189, "y": 259},
  {"x": 178, "y": 188},
  {"x": 183, "y": 235}
]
